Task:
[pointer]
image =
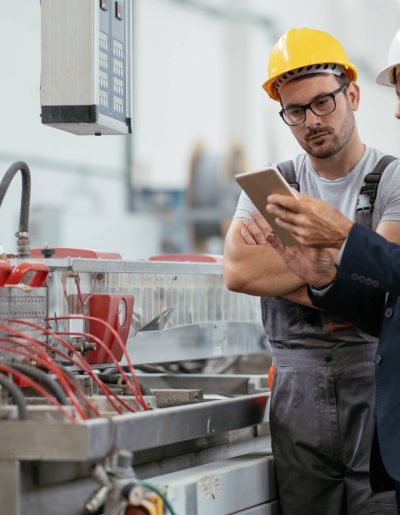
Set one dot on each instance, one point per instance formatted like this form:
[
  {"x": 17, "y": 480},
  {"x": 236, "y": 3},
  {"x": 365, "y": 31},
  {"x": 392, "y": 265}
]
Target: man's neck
[{"x": 341, "y": 163}]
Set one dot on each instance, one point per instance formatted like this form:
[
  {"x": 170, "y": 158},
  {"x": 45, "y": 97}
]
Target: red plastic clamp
[
  {"x": 40, "y": 272},
  {"x": 5, "y": 271}
]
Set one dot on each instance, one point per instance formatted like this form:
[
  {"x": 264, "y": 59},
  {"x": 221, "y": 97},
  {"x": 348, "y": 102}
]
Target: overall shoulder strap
[
  {"x": 287, "y": 170},
  {"x": 375, "y": 176},
  {"x": 369, "y": 189}
]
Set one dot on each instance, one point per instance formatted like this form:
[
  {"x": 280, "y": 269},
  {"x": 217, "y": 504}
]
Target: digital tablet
[{"x": 258, "y": 186}]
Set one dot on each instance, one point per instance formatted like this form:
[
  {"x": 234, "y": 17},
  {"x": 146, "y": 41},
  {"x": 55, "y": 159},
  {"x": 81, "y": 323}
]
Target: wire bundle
[{"x": 48, "y": 378}]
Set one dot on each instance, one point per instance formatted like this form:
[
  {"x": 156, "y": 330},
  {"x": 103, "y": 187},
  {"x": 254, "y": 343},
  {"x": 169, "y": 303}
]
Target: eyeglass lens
[{"x": 320, "y": 106}]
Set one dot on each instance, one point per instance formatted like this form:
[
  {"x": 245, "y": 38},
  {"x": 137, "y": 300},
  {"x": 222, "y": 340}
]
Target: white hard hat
[{"x": 387, "y": 77}]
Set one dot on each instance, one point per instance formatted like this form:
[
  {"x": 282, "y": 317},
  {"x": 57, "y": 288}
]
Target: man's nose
[{"x": 312, "y": 119}]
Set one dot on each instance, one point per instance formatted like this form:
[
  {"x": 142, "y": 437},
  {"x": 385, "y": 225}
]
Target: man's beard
[{"x": 337, "y": 141}]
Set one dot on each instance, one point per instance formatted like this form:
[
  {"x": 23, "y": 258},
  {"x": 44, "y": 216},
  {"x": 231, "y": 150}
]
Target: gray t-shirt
[{"x": 343, "y": 192}]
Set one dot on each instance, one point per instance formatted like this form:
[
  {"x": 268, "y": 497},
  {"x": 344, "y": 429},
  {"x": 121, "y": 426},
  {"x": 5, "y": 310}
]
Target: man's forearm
[
  {"x": 262, "y": 275},
  {"x": 256, "y": 269}
]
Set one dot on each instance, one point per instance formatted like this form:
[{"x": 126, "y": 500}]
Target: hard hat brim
[{"x": 384, "y": 78}]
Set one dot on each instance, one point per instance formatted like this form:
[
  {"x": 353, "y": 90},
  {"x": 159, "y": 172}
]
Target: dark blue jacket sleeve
[
  {"x": 369, "y": 269},
  {"x": 371, "y": 256}
]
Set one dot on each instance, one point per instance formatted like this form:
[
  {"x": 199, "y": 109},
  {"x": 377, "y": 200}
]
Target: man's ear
[{"x": 353, "y": 95}]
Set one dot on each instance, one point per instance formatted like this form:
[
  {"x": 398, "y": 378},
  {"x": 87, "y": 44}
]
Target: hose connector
[{"x": 23, "y": 244}]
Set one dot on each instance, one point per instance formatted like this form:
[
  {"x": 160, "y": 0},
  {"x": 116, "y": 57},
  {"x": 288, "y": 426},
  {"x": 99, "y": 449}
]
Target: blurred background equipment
[{"x": 211, "y": 194}]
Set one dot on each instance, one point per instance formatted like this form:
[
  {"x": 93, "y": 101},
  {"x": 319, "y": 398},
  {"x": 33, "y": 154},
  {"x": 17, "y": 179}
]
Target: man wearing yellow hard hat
[
  {"x": 322, "y": 404},
  {"x": 364, "y": 284}
]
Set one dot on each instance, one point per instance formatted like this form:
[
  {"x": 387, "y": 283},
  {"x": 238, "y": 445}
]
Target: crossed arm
[
  {"x": 252, "y": 266},
  {"x": 316, "y": 225}
]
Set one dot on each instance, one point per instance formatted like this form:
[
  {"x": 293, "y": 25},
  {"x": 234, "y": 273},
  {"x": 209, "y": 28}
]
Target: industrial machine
[{"x": 92, "y": 420}]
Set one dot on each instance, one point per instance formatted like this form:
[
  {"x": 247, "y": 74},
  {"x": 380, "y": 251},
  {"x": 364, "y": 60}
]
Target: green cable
[{"x": 153, "y": 488}]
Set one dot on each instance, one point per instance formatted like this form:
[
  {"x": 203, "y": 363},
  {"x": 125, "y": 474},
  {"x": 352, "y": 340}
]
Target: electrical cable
[
  {"x": 109, "y": 353},
  {"x": 37, "y": 359},
  {"x": 150, "y": 369},
  {"x": 107, "y": 391},
  {"x": 79, "y": 391},
  {"x": 106, "y": 371},
  {"x": 52, "y": 365},
  {"x": 17, "y": 396},
  {"x": 118, "y": 340},
  {"x": 110, "y": 378},
  {"x": 33, "y": 384},
  {"x": 78, "y": 288},
  {"x": 68, "y": 358},
  {"x": 113, "y": 378},
  {"x": 44, "y": 379},
  {"x": 83, "y": 366}
]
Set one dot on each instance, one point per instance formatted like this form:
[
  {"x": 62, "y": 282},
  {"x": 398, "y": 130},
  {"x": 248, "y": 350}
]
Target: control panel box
[{"x": 86, "y": 71}]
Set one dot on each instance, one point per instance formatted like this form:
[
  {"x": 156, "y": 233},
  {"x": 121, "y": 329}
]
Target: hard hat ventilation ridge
[{"x": 334, "y": 68}]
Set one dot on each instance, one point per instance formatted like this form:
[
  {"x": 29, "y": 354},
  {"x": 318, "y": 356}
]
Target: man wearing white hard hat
[{"x": 363, "y": 285}]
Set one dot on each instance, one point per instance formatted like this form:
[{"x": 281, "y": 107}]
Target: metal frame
[{"x": 96, "y": 438}]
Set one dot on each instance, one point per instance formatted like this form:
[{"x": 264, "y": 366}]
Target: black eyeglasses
[{"x": 320, "y": 106}]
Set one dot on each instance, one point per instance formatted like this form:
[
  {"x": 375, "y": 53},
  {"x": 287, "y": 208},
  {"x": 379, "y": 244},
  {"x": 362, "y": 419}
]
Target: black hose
[
  {"x": 109, "y": 370},
  {"x": 150, "y": 369},
  {"x": 16, "y": 394},
  {"x": 23, "y": 245},
  {"x": 26, "y": 191},
  {"x": 74, "y": 380},
  {"x": 143, "y": 368},
  {"x": 110, "y": 378},
  {"x": 45, "y": 380}
]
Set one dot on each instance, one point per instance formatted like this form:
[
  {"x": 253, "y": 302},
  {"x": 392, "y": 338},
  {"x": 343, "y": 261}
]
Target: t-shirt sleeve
[
  {"x": 244, "y": 207},
  {"x": 389, "y": 193}
]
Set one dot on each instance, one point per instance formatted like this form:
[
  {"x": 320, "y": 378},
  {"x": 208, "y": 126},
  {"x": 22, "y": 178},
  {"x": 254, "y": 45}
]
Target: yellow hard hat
[{"x": 302, "y": 51}]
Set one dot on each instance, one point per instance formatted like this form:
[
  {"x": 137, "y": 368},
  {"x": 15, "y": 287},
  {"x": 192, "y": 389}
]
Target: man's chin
[
  {"x": 323, "y": 150},
  {"x": 323, "y": 153}
]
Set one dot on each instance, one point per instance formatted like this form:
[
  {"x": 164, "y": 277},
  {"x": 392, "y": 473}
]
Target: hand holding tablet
[{"x": 258, "y": 186}]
